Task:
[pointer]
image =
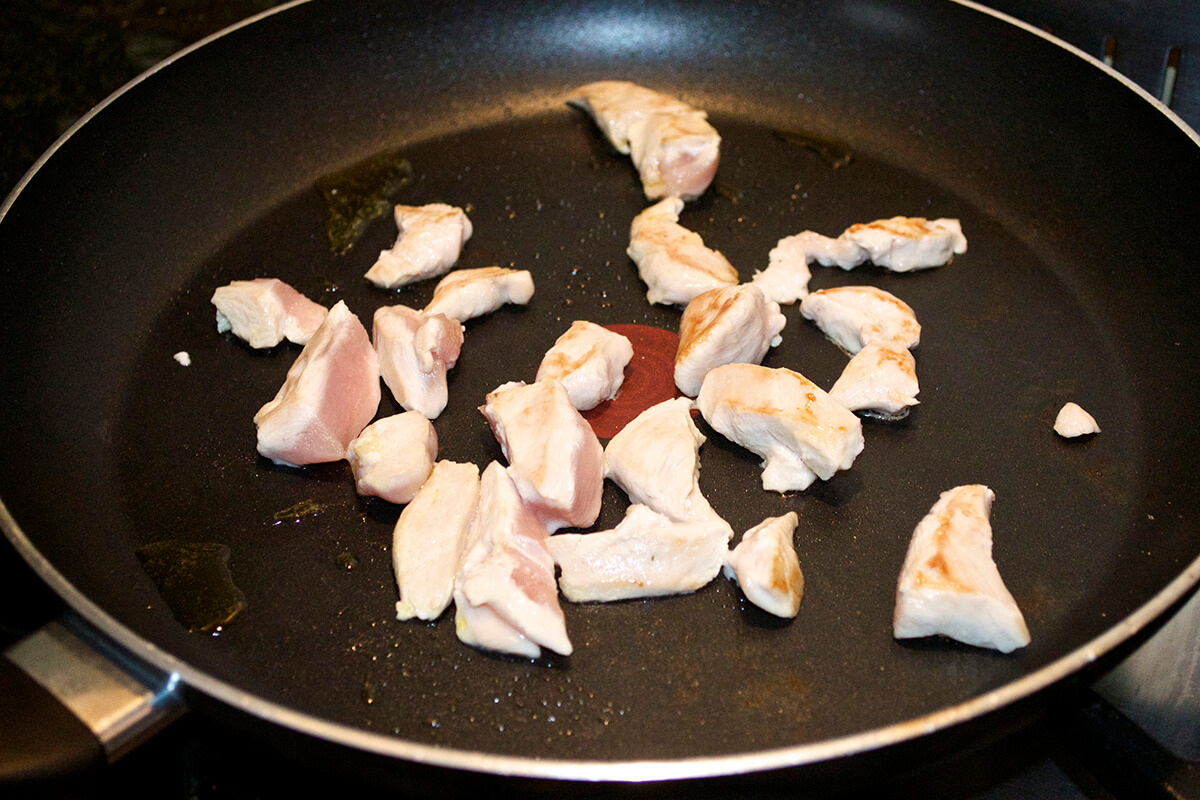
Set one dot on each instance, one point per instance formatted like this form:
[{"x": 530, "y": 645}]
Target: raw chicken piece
[
  {"x": 673, "y": 261},
  {"x": 590, "y": 361},
  {"x": 468, "y": 293},
  {"x": 330, "y": 394},
  {"x": 428, "y": 243},
  {"x": 949, "y": 584},
  {"x": 767, "y": 568},
  {"x": 902, "y": 244},
  {"x": 655, "y": 459},
  {"x": 736, "y": 324},
  {"x": 415, "y": 351},
  {"x": 801, "y": 433},
  {"x": 393, "y": 456},
  {"x": 429, "y": 537},
  {"x": 265, "y": 311},
  {"x": 1072, "y": 421},
  {"x": 505, "y": 593},
  {"x": 672, "y": 145},
  {"x": 880, "y": 379},
  {"x": 646, "y": 555},
  {"x": 554, "y": 457},
  {"x": 853, "y": 316}
]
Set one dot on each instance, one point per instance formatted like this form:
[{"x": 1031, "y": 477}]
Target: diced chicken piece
[
  {"x": 265, "y": 311},
  {"x": 330, "y": 394},
  {"x": 949, "y": 584},
  {"x": 429, "y": 241},
  {"x": 801, "y": 433},
  {"x": 505, "y": 594},
  {"x": 429, "y": 537},
  {"x": 853, "y": 316},
  {"x": 881, "y": 379},
  {"x": 785, "y": 280},
  {"x": 672, "y": 261},
  {"x": 647, "y": 555},
  {"x": 902, "y": 244},
  {"x": 590, "y": 361},
  {"x": 554, "y": 457},
  {"x": 767, "y": 568},
  {"x": 1073, "y": 421},
  {"x": 674, "y": 148},
  {"x": 393, "y": 456},
  {"x": 468, "y": 293},
  {"x": 655, "y": 459},
  {"x": 733, "y": 325},
  {"x": 415, "y": 351}
]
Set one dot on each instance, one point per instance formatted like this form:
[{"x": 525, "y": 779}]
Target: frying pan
[{"x": 1077, "y": 194}]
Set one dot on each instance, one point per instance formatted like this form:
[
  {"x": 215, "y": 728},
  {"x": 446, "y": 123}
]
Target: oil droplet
[
  {"x": 834, "y": 153},
  {"x": 194, "y": 581},
  {"x": 305, "y": 508},
  {"x": 346, "y": 561},
  {"x": 359, "y": 194}
]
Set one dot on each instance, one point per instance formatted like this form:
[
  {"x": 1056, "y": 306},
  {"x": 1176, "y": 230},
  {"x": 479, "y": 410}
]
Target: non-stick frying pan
[{"x": 1077, "y": 194}]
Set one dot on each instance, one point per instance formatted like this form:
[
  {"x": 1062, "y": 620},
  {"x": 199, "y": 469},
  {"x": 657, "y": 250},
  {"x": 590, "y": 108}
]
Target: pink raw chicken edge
[
  {"x": 330, "y": 394},
  {"x": 554, "y": 457}
]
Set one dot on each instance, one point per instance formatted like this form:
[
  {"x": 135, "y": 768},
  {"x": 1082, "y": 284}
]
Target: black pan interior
[{"x": 1077, "y": 198}]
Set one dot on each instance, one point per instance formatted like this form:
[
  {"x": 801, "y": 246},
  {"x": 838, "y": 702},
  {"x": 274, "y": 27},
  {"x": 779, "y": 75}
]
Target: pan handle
[{"x": 67, "y": 706}]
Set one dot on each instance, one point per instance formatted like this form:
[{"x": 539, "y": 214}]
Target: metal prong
[{"x": 1169, "y": 76}]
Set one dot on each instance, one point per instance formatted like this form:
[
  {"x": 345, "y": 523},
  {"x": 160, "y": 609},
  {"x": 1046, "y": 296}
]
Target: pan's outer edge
[
  {"x": 1092, "y": 60},
  {"x": 626, "y": 771},
  {"x": 629, "y": 771}
]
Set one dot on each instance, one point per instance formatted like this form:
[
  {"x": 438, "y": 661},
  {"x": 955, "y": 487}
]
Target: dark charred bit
[
  {"x": 194, "y": 581},
  {"x": 834, "y": 153},
  {"x": 359, "y": 194}
]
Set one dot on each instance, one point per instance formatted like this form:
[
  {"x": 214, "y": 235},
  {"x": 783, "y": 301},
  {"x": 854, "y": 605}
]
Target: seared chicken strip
[
  {"x": 656, "y": 460},
  {"x": 785, "y": 280},
  {"x": 505, "y": 593},
  {"x": 880, "y": 379},
  {"x": 673, "y": 261},
  {"x": 554, "y": 457},
  {"x": 330, "y": 394},
  {"x": 429, "y": 537},
  {"x": 733, "y": 325},
  {"x": 900, "y": 244},
  {"x": 265, "y": 311},
  {"x": 674, "y": 148},
  {"x": 949, "y": 584},
  {"x": 852, "y": 316},
  {"x": 766, "y": 566},
  {"x": 646, "y": 555},
  {"x": 801, "y": 433},
  {"x": 590, "y": 362},
  {"x": 393, "y": 456},
  {"x": 1073, "y": 421},
  {"x": 468, "y": 293},
  {"x": 415, "y": 351},
  {"x": 428, "y": 244}
]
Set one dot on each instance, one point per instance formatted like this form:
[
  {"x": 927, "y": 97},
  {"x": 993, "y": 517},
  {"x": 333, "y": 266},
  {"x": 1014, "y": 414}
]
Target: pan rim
[{"x": 180, "y": 673}]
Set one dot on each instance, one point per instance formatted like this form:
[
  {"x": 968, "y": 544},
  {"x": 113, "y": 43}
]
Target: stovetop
[{"x": 58, "y": 58}]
